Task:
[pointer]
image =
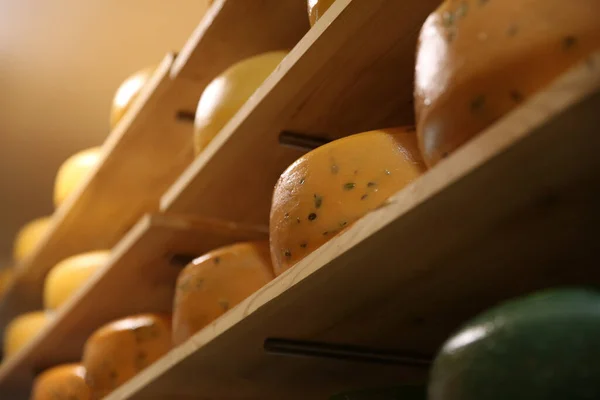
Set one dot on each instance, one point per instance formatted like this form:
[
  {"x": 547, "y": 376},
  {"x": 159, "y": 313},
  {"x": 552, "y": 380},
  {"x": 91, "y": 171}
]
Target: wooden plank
[
  {"x": 514, "y": 210},
  {"x": 353, "y": 71},
  {"x": 150, "y": 147},
  {"x": 140, "y": 277}
]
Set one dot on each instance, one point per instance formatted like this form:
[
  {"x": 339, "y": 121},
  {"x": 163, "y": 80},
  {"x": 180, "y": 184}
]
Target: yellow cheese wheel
[
  {"x": 63, "y": 382},
  {"x": 227, "y": 93},
  {"x": 21, "y": 330},
  {"x": 127, "y": 92},
  {"x": 119, "y": 350},
  {"x": 217, "y": 281},
  {"x": 6, "y": 275},
  {"x": 316, "y": 9},
  {"x": 29, "y": 237},
  {"x": 69, "y": 275},
  {"x": 334, "y": 185},
  {"x": 478, "y": 60},
  {"x": 74, "y": 171}
]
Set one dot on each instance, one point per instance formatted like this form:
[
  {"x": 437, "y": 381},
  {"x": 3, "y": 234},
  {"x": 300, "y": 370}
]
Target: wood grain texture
[
  {"x": 150, "y": 147},
  {"x": 514, "y": 210},
  {"x": 352, "y": 72},
  {"x": 140, "y": 277}
]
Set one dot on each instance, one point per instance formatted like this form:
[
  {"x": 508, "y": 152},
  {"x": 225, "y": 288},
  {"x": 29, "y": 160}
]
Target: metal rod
[
  {"x": 301, "y": 141},
  {"x": 181, "y": 260},
  {"x": 185, "y": 116},
  {"x": 287, "y": 347}
]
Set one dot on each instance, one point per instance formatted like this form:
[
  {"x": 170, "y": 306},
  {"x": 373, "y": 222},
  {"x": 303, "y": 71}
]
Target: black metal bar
[
  {"x": 287, "y": 347},
  {"x": 185, "y": 116},
  {"x": 181, "y": 260},
  {"x": 301, "y": 141}
]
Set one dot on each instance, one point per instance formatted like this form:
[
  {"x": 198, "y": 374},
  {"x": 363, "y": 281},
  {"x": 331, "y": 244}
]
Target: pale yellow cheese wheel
[
  {"x": 63, "y": 382},
  {"x": 21, "y": 330},
  {"x": 69, "y": 275},
  {"x": 74, "y": 171},
  {"x": 228, "y": 92},
  {"x": 126, "y": 94},
  {"x": 29, "y": 237}
]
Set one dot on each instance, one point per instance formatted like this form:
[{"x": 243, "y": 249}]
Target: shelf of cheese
[
  {"x": 150, "y": 147},
  {"x": 140, "y": 277},
  {"x": 351, "y": 72},
  {"x": 512, "y": 211}
]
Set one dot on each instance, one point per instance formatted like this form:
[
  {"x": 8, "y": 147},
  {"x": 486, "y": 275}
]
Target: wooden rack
[{"x": 514, "y": 210}]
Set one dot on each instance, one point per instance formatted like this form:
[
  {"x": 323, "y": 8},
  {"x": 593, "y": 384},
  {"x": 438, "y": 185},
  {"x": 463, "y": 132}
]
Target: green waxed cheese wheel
[
  {"x": 408, "y": 392},
  {"x": 544, "y": 347}
]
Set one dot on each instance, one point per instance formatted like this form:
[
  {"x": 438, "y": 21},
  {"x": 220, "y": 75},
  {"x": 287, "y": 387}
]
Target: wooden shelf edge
[
  {"x": 572, "y": 88},
  {"x": 17, "y": 370}
]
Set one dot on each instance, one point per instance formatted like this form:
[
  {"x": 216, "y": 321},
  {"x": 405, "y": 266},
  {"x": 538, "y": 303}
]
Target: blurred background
[{"x": 60, "y": 64}]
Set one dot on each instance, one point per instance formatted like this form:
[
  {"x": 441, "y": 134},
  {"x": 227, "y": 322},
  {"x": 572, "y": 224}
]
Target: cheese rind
[
  {"x": 69, "y": 275},
  {"x": 316, "y": 9},
  {"x": 23, "y": 329},
  {"x": 126, "y": 94},
  {"x": 216, "y": 282},
  {"x": 334, "y": 185},
  {"x": 74, "y": 171},
  {"x": 119, "y": 350},
  {"x": 29, "y": 237},
  {"x": 63, "y": 382},
  {"x": 228, "y": 92},
  {"x": 478, "y": 60}
]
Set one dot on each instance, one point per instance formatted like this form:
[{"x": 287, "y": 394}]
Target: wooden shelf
[
  {"x": 513, "y": 211},
  {"x": 140, "y": 277},
  {"x": 150, "y": 147},
  {"x": 352, "y": 72}
]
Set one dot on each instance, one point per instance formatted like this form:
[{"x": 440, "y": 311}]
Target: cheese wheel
[
  {"x": 119, "y": 350},
  {"x": 74, "y": 171},
  {"x": 29, "y": 237},
  {"x": 316, "y": 9},
  {"x": 127, "y": 92},
  {"x": 63, "y": 382},
  {"x": 69, "y": 275},
  {"x": 334, "y": 185},
  {"x": 216, "y": 282},
  {"x": 21, "y": 330},
  {"x": 6, "y": 276},
  {"x": 478, "y": 60},
  {"x": 227, "y": 93}
]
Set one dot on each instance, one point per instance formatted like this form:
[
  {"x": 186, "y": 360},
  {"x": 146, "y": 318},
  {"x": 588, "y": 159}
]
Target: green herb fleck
[
  {"x": 462, "y": 9},
  {"x": 302, "y": 181},
  {"x": 349, "y": 186},
  {"x": 343, "y": 223},
  {"x": 364, "y": 196},
  {"x": 516, "y": 96},
  {"x": 371, "y": 184},
  {"x": 448, "y": 19},
  {"x": 303, "y": 245},
  {"x": 318, "y": 201},
  {"x": 569, "y": 42},
  {"x": 224, "y": 304},
  {"x": 298, "y": 220},
  {"x": 287, "y": 253},
  {"x": 312, "y": 216},
  {"x": 478, "y": 103}
]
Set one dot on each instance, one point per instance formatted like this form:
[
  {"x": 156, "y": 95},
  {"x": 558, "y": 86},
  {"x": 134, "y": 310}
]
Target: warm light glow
[
  {"x": 129, "y": 89},
  {"x": 211, "y": 98}
]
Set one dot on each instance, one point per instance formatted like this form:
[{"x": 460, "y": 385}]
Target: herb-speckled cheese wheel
[
  {"x": 126, "y": 94},
  {"x": 336, "y": 184},
  {"x": 73, "y": 172},
  {"x": 21, "y": 330},
  {"x": 316, "y": 9},
  {"x": 29, "y": 237},
  {"x": 228, "y": 92},
  {"x": 479, "y": 59},
  {"x": 119, "y": 350},
  {"x": 63, "y": 382},
  {"x": 217, "y": 281},
  {"x": 69, "y": 275}
]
